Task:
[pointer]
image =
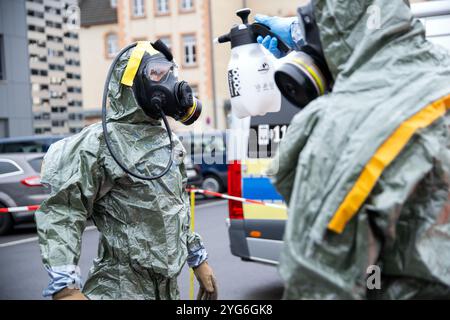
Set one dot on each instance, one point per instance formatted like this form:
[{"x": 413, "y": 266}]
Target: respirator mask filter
[
  {"x": 157, "y": 90},
  {"x": 303, "y": 75},
  {"x": 300, "y": 80}
]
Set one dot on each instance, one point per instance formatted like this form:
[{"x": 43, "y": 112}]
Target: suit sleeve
[{"x": 74, "y": 177}]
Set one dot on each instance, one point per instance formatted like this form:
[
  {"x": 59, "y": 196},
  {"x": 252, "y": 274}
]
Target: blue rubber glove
[
  {"x": 270, "y": 44},
  {"x": 280, "y": 26}
]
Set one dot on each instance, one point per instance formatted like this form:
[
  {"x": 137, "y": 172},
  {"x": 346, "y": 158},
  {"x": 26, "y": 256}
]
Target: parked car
[
  {"x": 31, "y": 144},
  {"x": 208, "y": 150},
  {"x": 41, "y": 144},
  {"x": 20, "y": 185}
]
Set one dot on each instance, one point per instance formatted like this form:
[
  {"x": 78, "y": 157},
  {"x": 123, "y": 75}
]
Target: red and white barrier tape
[
  {"x": 243, "y": 200},
  {"x": 19, "y": 209},
  {"x": 206, "y": 192}
]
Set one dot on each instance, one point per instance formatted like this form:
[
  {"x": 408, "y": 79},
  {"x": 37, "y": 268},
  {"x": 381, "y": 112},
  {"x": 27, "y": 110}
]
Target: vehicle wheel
[
  {"x": 212, "y": 183},
  {"x": 6, "y": 222}
]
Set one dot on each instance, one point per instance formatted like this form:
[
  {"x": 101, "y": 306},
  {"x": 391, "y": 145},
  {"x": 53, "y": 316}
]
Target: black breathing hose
[{"x": 105, "y": 129}]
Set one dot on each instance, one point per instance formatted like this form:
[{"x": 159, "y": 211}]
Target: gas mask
[
  {"x": 152, "y": 75},
  {"x": 156, "y": 88},
  {"x": 303, "y": 75}
]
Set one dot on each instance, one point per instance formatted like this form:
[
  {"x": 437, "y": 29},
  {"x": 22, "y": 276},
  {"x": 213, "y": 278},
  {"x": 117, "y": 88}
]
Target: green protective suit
[
  {"x": 145, "y": 237},
  {"x": 383, "y": 78}
]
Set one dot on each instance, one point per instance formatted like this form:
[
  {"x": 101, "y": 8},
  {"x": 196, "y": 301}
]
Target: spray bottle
[{"x": 251, "y": 69}]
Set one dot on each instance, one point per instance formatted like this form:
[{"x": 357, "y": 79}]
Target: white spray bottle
[{"x": 251, "y": 69}]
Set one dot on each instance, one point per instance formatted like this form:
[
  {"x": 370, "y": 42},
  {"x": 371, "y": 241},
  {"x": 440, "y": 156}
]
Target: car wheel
[
  {"x": 6, "y": 222},
  {"x": 212, "y": 183}
]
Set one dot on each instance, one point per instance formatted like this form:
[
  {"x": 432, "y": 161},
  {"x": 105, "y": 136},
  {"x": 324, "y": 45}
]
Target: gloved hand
[
  {"x": 280, "y": 26},
  {"x": 69, "y": 294},
  {"x": 208, "y": 284},
  {"x": 270, "y": 44}
]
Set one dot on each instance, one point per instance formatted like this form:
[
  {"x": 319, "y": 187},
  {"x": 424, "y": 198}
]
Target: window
[
  {"x": 167, "y": 41},
  {"x": 52, "y": 24},
  {"x": 36, "y": 14},
  {"x": 187, "y": 5},
  {"x": 36, "y": 164},
  {"x": 58, "y": 123},
  {"x": 52, "y": 10},
  {"x": 55, "y": 53},
  {"x": 75, "y": 103},
  {"x": 162, "y": 7},
  {"x": 59, "y": 109},
  {"x": 71, "y": 48},
  {"x": 189, "y": 50},
  {"x": 38, "y": 58},
  {"x": 73, "y": 76},
  {"x": 72, "y": 62},
  {"x": 9, "y": 168},
  {"x": 55, "y": 39},
  {"x": 74, "y": 89},
  {"x": 56, "y": 67},
  {"x": 71, "y": 35},
  {"x": 2, "y": 57},
  {"x": 35, "y": 28},
  {"x": 138, "y": 9},
  {"x": 36, "y": 100},
  {"x": 112, "y": 45},
  {"x": 55, "y": 80}
]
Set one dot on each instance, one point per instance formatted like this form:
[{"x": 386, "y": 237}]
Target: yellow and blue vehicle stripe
[{"x": 257, "y": 186}]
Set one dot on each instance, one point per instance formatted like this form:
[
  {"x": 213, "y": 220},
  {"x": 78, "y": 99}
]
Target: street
[{"x": 23, "y": 275}]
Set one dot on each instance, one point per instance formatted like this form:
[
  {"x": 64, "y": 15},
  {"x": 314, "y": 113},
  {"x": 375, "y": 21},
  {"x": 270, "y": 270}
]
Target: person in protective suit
[
  {"x": 365, "y": 169},
  {"x": 145, "y": 238}
]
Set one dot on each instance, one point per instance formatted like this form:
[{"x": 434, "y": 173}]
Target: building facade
[
  {"x": 98, "y": 43},
  {"x": 15, "y": 102},
  {"x": 54, "y": 61},
  {"x": 184, "y": 25}
]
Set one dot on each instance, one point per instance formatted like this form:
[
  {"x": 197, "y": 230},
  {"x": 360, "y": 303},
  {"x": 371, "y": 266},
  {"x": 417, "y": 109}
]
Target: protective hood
[
  {"x": 352, "y": 32},
  {"x": 365, "y": 168},
  {"x": 123, "y": 106}
]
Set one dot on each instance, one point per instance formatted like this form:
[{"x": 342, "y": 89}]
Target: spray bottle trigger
[{"x": 260, "y": 29}]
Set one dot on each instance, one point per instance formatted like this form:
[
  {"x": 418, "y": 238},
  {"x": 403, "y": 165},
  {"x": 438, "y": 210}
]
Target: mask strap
[{"x": 135, "y": 61}]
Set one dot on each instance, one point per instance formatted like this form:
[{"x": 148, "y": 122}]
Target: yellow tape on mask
[{"x": 135, "y": 61}]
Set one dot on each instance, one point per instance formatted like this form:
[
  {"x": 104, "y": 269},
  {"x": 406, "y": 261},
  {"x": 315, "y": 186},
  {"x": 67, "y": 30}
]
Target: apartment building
[
  {"x": 15, "y": 102},
  {"x": 55, "y": 72}
]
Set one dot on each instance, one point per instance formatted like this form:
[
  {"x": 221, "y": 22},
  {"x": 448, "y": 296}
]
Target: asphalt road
[{"x": 22, "y": 275}]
